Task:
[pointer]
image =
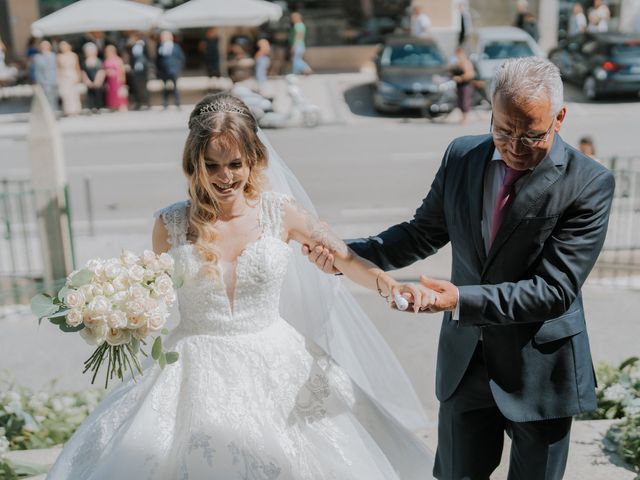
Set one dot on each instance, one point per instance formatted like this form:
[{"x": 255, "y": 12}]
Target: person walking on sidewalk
[
  {"x": 170, "y": 62},
  {"x": 297, "y": 41}
]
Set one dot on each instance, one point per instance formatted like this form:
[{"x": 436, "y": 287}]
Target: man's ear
[{"x": 560, "y": 117}]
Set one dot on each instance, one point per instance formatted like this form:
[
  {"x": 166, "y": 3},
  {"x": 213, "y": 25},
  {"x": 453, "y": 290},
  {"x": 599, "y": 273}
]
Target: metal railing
[
  {"x": 619, "y": 261},
  {"x": 22, "y": 269}
]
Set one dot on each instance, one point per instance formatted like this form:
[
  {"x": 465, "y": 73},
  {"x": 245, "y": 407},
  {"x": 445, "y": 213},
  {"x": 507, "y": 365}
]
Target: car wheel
[{"x": 589, "y": 88}]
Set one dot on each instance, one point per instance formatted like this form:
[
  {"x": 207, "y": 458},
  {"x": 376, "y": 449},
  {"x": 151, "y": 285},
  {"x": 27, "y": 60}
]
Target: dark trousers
[
  {"x": 471, "y": 433},
  {"x": 173, "y": 81},
  {"x": 139, "y": 90}
]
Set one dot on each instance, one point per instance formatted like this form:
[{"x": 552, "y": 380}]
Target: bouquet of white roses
[{"x": 115, "y": 304}]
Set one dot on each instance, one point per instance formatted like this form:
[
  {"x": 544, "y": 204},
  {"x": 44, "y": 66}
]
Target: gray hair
[{"x": 529, "y": 78}]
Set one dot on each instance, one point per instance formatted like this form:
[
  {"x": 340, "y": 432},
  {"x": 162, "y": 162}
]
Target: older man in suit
[{"x": 526, "y": 215}]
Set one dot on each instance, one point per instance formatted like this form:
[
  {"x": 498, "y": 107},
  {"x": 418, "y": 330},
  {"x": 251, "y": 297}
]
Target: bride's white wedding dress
[{"x": 249, "y": 398}]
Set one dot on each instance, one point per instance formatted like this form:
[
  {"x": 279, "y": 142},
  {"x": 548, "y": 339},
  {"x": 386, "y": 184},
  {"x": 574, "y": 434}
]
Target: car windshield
[
  {"x": 507, "y": 49},
  {"x": 626, "y": 50},
  {"x": 411, "y": 55}
]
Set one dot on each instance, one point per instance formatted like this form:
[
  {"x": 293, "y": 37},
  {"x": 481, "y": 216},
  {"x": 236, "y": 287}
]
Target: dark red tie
[{"x": 504, "y": 198}]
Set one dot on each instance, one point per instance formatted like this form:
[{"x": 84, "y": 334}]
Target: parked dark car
[
  {"x": 413, "y": 75},
  {"x": 600, "y": 63}
]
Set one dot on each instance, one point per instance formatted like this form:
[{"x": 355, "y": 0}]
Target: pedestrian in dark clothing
[
  {"x": 139, "y": 62},
  {"x": 210, "y": 48},
  {"x": 170, "y": 62}
]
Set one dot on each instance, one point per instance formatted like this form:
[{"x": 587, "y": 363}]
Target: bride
[{"x": 254, "y": 397}]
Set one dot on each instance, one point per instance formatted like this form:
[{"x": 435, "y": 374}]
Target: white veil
[{"x": 321, "y": 308}]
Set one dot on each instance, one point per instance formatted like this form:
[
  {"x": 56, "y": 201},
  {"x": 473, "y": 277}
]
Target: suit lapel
[
  {"x": 478, "y": 159},
  {"x": 532, "y": 188}
]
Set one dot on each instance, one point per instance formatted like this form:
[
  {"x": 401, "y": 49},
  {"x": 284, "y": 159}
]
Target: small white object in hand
[{"x": 401, "y": 302}]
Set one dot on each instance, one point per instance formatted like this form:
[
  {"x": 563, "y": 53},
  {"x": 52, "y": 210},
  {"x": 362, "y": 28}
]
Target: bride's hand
[
  {"x": 419, "y": 297},
  {"x": 411, "y": 292},
  {"x": 321, "y": 257}
]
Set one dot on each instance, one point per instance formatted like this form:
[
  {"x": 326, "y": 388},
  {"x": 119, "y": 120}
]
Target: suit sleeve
[
  {"x": 568, "y": 256},
  {"x": 407, "y": 242}
]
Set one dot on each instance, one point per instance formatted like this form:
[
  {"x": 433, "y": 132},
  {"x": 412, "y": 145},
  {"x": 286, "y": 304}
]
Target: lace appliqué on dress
[{"x": 176, "y": 221}]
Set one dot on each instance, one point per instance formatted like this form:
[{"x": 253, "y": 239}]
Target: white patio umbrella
[
  {"x": 97, "y": 16},
  {"x": 221, "y": 13}
]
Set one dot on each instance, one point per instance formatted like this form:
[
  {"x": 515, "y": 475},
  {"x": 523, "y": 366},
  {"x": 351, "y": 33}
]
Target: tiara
[{"x": 221, "y": 106}]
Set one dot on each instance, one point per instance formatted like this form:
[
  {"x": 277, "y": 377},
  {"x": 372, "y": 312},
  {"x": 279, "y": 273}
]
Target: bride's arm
[
  {"x": 304, "y": 227},
  {"x": 160, "y": 237}
]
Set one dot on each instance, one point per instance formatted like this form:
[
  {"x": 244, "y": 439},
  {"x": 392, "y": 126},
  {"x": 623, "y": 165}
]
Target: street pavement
[{"x": 364, "y": 172}]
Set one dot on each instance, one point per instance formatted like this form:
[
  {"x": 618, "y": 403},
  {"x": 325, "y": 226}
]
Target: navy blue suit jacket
[{"x": 525, "y": 294}]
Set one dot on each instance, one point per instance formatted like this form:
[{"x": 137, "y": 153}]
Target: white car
[{"x": 490, "y": 47}]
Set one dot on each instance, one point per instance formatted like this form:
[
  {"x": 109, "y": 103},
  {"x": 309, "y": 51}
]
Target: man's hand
[
  {"x": 446, "y": 294},
  {"x": 321, "y": 257}
]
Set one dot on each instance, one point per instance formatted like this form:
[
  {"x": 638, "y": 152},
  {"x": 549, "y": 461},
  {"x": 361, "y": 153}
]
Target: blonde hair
[{"x": 226, "y": 120}]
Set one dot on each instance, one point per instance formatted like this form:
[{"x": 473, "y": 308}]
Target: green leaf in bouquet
[
  {"x": 58, "y": 320},
  {"x": 164, "y": 331},
  {"x": 81, "y": 278},
  {"x": 135, "y": 345},
  {"x": 156, "y": 350},
  {"x": 172, "y": 357},
  {"x": 162, "y": 360},
  {"x": 64, "y": 291},
  {"x": 42, "y": 305},
  {"x": 69, "y": 329},
  {"x": 60, "y": 313}
]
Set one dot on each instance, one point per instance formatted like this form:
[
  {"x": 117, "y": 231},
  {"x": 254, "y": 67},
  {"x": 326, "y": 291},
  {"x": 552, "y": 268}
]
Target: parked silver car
[{"x": 490, "y": 47}]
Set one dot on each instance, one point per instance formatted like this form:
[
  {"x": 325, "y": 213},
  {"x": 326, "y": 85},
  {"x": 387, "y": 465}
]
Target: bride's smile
[{"x": 228, "y": 172}]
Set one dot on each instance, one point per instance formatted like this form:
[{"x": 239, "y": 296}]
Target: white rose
[
  {"x": 163, "y": 285},
  {"x": 128, "y": 258},
  {"x": 166, "y": 262},
  {"x": 95, "y": 264},
  {"x": 100, "y": 305},
  {"x": 91, "y": 320},
  {"x": 112, "y": 269},
  {"x": 108, "y": 289},
  {"x": 135, "y": 307},
  {"x": 169, "y": 298},
  {"x": 87, "y": 292},
  {"x": 121, "y": 283},
  {"x": 138, "y": 292},
  {"x": 156, "y": 320},
  {"x": 97, "y": 290},
  {"x": 149, "y": 274},
  {"x": 118, "y": 299},
  {"x": 136, "y": 273},
  {"x": 95, "y": 335},
  {"x": 74, "y": 317},
  {"x": 136, "y": 321},
  {"x": 147, "y": 257},
  {"x": 74, "y": 299},
  {"x": 141, "y": 333},
  {"x": 117, "y": 336},
  {"x": 117, "y": 319}
]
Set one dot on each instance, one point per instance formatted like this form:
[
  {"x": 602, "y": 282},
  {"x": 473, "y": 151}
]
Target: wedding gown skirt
[{"x": 249, "y": 398}]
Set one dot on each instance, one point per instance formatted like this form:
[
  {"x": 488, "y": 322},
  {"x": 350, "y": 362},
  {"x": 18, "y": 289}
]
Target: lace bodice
[{"x": 204, "y": 304}]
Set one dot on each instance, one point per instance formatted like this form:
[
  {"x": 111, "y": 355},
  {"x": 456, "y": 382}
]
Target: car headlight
[{"x": 385, "y": 88}]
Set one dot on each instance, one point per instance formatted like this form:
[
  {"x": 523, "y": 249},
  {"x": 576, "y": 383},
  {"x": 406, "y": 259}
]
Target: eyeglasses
[{"x": 526, "y": 141}]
